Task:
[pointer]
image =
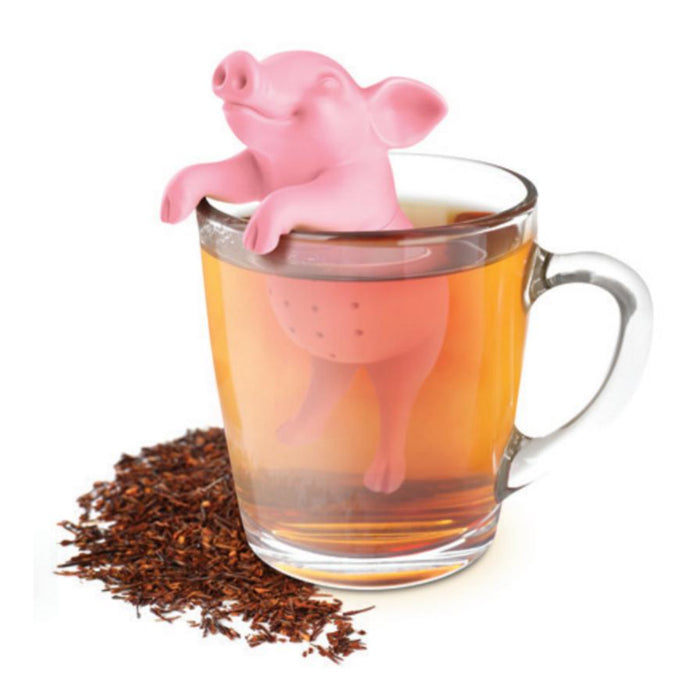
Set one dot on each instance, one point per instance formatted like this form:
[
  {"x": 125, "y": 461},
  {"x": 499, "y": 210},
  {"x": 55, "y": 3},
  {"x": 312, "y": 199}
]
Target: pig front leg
[
  {"x": 344, "y": 199},
  {"x": 236, "y": 179}
]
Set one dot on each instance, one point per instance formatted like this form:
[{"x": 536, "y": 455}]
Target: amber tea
[{"x": 312, "y": 492}]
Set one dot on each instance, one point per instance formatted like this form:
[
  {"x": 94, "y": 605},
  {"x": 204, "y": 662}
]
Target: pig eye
[{"x": 329, "y": 83}]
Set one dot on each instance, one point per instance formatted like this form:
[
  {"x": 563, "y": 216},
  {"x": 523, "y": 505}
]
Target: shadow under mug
[{"x": 369, "y": 380}]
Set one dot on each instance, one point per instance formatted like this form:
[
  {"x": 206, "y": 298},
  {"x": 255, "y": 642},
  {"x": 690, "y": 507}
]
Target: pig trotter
[{"x": 385, "y": 475}]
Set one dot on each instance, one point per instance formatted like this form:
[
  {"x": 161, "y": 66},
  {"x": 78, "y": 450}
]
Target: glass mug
[{"x": 369, "y": 380}]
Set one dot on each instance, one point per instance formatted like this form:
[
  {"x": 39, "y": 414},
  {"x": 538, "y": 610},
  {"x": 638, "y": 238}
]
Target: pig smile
[{"x": 237, "y": 106}]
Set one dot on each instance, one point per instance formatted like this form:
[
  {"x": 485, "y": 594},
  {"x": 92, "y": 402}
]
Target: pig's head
[{"x": 303, "y": 106}]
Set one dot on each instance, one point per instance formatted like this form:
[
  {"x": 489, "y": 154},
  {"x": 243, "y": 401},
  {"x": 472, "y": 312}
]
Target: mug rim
[{"x": 428, "y": 234}]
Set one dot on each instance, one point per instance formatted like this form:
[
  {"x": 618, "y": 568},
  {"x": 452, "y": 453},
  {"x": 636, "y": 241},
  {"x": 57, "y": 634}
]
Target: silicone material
[
  {"x": 317, "y": 144},
  {"x": 317, "y": 159}
]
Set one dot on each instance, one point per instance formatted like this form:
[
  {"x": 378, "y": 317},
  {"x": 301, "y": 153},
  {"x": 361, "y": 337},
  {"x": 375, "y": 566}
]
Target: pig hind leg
[
  {"x": 397, "y": 381},
  {"x": 329, "y": 382}
]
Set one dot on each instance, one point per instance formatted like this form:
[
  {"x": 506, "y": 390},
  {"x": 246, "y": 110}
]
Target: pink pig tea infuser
[
  {"x": 367, "y": 321},
  {"x": 320, "y": 162}
]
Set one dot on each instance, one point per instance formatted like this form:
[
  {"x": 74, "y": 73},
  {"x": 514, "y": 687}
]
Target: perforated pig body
[{"x": 317, "y": 159}]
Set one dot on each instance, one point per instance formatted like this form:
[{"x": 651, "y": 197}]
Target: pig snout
[{"x": 235, "y": 77}]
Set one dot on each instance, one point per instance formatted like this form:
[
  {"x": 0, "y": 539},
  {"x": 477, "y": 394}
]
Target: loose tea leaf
[{"x": 166, "y": 534}]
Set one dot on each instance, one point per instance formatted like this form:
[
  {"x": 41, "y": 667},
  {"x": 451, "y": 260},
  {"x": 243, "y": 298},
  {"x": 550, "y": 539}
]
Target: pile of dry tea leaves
[{"x": 166, "y": 534}]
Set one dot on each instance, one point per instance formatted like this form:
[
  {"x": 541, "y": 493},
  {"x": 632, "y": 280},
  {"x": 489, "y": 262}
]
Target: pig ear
[{"x": 404, "y": 111}]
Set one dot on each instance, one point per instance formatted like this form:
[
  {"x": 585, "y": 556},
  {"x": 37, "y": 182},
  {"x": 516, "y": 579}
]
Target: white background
[{"x": 591, "y": 588}]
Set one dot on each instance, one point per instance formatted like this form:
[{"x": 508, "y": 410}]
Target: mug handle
[{"x": 520, "y": 464}]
